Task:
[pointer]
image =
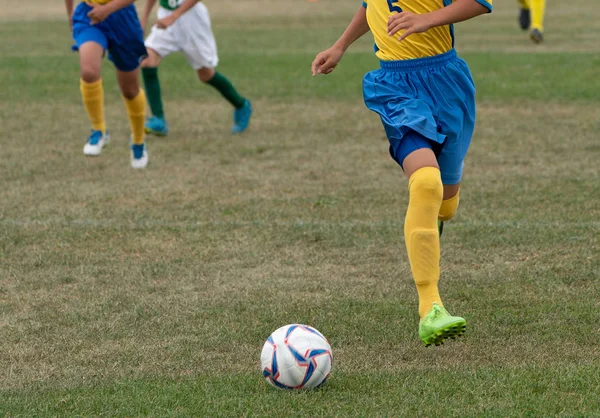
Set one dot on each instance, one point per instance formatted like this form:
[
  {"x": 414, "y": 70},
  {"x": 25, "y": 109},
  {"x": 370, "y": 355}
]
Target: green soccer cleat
[
  {"x": 438, "y": 325},
  {"x": 536, "y": 36}
]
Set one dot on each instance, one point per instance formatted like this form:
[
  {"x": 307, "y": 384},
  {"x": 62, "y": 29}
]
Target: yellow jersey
[
  {"x": 99, "y": 1},
  {"x": 435, "y": 41}
]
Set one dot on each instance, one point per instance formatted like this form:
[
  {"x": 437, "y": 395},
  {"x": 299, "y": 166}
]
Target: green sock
[
  {"x": 152, "y": 85},
  {"x": 221, "y": 83}
]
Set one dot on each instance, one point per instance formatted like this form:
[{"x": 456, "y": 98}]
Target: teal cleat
[
  {"x": 438, "y": 325},
  {"x": 241, "y": 118},
  {"x": 156, "y": 126}
]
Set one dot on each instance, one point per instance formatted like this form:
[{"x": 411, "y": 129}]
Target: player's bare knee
[
  {"x": 152, "y": 61},
  {"x": 206, "y": 74},
  {"x": 147, "y": 63},
  {"x": 90, "y": 74},
  {"x": 130, "y": 92}
]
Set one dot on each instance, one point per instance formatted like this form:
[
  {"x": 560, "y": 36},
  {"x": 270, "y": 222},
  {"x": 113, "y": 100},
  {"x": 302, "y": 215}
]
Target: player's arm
[
  {"x": 177, "y": 13},
  {"x": 458, "y": 11},
  {"x": 100, "y": 12},
  {"x": 69, "y": 7},
  {"x": 326, "y": 61},
  {"x": 146, "y": 13}
]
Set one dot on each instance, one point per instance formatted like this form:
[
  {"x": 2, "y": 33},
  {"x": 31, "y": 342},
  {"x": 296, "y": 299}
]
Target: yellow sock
[
  {"x": 93, "y": 100},
  {"x": 448, "y": 208},
  {"x": 136, "y": 110},
  {"x": 538, "y": 8},
  {"x": 524, "y": 4},
  {"x": 421, "y": 234}
]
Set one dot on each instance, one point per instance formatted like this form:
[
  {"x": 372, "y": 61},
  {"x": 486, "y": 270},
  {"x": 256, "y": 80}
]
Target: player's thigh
[
  {"x": 90, "y": 61},
  {"x": 129, "y": 83},
  {"x": 413, "y": 151},
  {"x": 153, "y": 60},
  {"x": 200, "y": 46},
  {"x": 459, "y": 132},
  {"x": 420, "y": 158},
  {"x": 162, "y": 42}
]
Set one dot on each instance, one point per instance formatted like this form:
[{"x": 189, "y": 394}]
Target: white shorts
[{"x": 191, "y": 34}]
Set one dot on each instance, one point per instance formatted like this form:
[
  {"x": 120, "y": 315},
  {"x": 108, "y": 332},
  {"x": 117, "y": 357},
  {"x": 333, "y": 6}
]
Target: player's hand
[
  {"x": 409, "y": 22},
  {"x": 98, "y": 13},
  {"x": 165, "y": 22},
  {"x": 326, "y": 61}
]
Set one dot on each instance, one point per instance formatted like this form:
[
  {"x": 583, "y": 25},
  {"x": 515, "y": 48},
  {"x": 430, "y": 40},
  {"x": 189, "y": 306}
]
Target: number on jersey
[{"x": 391, "y": 6}]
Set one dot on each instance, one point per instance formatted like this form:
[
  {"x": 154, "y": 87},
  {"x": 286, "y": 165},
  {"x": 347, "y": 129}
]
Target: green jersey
[{"x": 170, "y": 4}]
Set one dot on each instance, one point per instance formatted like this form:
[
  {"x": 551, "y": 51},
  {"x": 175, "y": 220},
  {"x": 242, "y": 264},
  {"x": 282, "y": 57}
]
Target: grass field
[{"x": 151, "y": 293}]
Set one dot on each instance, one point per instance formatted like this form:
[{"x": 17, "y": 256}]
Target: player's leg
[
  {"x": 538, "y": 9},
  {"x": 160, "y": 44},
  {"x": 201, "y": 52},
  {"x": 135, "y": 102},
  {"x": 155, "y": 124},
  {"x": 91, "y": 43},
  {"x": 222, "y": 84},
  {"x": 423, "y": 240},
  {"x": 449, "y": 204},
  {"x": 243, "y": 108},
  {"x": 524, "y": 14},
  {"x": 420, "y": 225},
  {"x": 126, "y": 51},
  {"x": 92, "y": 94}
]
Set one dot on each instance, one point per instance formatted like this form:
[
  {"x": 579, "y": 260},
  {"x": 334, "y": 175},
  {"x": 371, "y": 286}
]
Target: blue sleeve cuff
[
  {"x": 484, "y": 3},
  {"x": 365, "y": 4}
]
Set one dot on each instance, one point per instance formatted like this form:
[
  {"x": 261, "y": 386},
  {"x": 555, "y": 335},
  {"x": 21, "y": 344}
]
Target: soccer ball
[{"x": 296, "y": 357}]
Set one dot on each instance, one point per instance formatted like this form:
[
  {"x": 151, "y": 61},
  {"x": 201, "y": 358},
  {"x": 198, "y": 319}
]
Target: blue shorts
[
  {"x": 425, "y": 103},
  {"x": 121, "y": 34}
]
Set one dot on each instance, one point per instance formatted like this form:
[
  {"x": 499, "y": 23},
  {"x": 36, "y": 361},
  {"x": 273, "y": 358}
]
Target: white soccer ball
[{"x": 296, "y": 357}]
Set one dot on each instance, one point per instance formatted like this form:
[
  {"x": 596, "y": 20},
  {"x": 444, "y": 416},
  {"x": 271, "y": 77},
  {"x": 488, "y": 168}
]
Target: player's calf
[
  {"x": 243, "y": 108},
  {"x": 448, "y": 208}
]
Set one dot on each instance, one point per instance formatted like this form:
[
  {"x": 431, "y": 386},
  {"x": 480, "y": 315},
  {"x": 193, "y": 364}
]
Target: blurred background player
[
  {"x": 531, "y": 16},
  {"x": 185, "y": 26},
  {"x": 425, "y": 97},
  {"x": 110, "y": 25}
]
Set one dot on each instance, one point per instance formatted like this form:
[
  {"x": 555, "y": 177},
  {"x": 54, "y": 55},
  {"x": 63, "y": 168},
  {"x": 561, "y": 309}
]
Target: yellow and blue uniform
[
  {"x": 424, "y": 92},
  {"x": 121, "y": 34}
]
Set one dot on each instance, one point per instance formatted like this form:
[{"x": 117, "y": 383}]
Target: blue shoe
[
  {"x": 156, "y": 126},
  {"x": 139, "y": 156},
  {"x": 241, "y": 118},
  {"x": 96, "y": 141}
]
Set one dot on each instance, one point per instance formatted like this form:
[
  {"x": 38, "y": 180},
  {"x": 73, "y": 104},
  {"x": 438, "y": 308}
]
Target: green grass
[{"x": 151, "y": 293}]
